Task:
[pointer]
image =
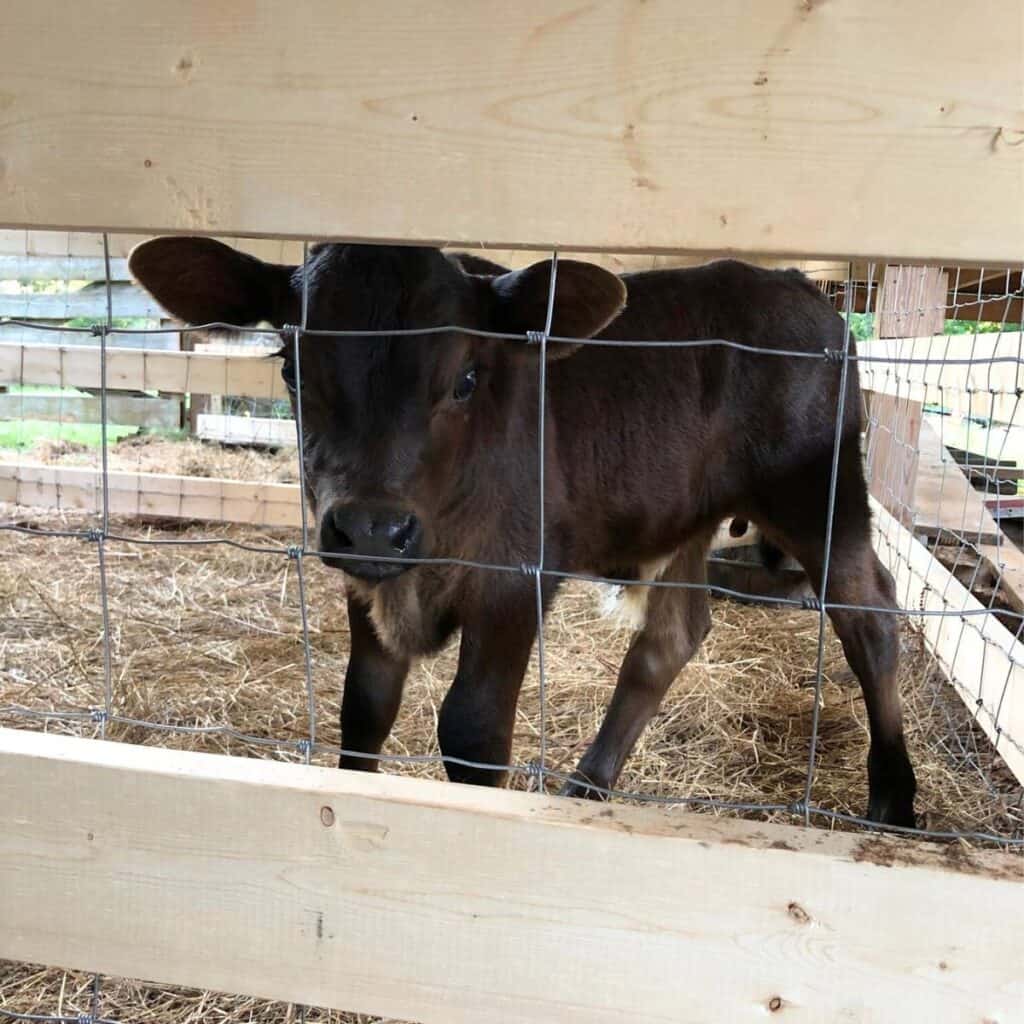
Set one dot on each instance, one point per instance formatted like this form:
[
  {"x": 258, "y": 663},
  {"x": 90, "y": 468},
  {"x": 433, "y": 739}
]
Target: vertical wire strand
[
  {"x": 830, "y": 516},
  {"x": 307, "y": 655},
  {"x": 299, "y": 433},
  {"x": 307, "y": 650},
  {"x": 542, "y": 525},
  {"x": 108, "y": 673}
]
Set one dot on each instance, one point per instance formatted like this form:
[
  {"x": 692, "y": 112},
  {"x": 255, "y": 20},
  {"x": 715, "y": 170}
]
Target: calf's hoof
[
  {"x": 581, "y": 787},
  {"x": 891, "y": 786},
  {"x": 889, "y": 810}
]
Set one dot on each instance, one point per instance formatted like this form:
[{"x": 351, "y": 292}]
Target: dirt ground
[{"x": 211, "y": 636}]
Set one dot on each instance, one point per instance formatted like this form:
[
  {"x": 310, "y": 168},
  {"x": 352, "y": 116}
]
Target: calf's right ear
[
  {"x": 587, "y": 299},
  {"x": 201, "y": 281}
]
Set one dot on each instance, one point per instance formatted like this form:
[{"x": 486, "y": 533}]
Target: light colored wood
[
  {"x": 440, "y": 903},
  {"x": 978, "y": 654},
  {"x": 122, "y": 409},
  {"x": 252, "y": 375},
  {"x": 79, "y": 256},
  {"x": 24, "y": 267},
  {"x": 91, "y": 301},
  {"x": 89, "y": 245},
  {"x": 944, "y": 498},
  {"x": 613, "y": 126},
  {"x": 263, "y": 430},
  {"x": 151, "y": 494},
  {"x": 892, "y": 446},
  {"x": 911, "y": 302},
  {"x": 41, "y": 334},
  {"x": 979, "y": 387}
]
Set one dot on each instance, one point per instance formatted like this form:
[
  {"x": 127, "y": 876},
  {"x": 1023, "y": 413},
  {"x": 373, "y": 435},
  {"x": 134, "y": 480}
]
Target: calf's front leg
[
  {"x": 373, "y": 692},
  {"x": 478, "y": 714}
]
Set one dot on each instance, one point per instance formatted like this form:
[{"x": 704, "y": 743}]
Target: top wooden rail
[{"x": 794, "y": 127}]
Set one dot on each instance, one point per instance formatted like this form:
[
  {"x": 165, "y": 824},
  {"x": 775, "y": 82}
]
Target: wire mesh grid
[{"x": 907, "y": 370}]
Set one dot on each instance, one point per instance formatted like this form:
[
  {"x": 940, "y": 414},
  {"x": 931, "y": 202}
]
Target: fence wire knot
[
  {"x": 98, "y": 715},
  {"x": 98, "y": 331},
  {"x": 294, "y": 552},
  {"x": 535, "y": 337},
  {"x": 304, "y": 747},
  {"x": 833, "y": 355},
  {"x": 810, "y": 604},
  {"x": 527, "y": 569},
  {"x": 85, "y": 1018},
  {"x": 798, "y": 807},
  {"x": 93, "y": 536},
  {"x": 535, "y": 773}
]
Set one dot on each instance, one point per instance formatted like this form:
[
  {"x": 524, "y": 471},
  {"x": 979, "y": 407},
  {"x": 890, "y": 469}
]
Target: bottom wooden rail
[{"x": 434, "y": 902}]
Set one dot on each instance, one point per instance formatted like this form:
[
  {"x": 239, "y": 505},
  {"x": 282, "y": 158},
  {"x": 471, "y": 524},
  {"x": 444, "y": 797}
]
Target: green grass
[{"x": 22, "y": 434}]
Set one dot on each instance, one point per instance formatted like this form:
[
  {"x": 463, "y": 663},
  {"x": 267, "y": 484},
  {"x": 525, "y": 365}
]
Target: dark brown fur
[{"x": 647, "y": 450}]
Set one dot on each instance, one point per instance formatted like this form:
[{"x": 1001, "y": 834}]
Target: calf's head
[{"x": 399, "y": 431}]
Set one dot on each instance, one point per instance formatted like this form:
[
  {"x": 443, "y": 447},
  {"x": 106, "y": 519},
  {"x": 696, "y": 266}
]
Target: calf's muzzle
[{"x": 363, "y": 533}]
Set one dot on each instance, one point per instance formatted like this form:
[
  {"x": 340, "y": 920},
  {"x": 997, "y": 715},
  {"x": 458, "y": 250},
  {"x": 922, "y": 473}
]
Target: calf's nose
[{"x": 371, "y": 531}]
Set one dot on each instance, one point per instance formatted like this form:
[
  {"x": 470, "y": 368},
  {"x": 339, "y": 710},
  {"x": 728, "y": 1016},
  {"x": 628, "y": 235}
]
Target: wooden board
[
  {"x": 25, "y": 267},
  {"x": 252, "y": 375},
  {"x": 261, "y": 430},
  {"x": 911, "y": 302},
  {"x": 945, "y": 499},
  {"x": 42, "y": 336},
  {"x": 614, "y": 126},
  {"x": 121, "y": 409},
  {"x": 90, "y": 301},
  {"x": 432, "y": 902},
  {"x": 89, "y": 245},
  {"x": 978, "y": 654},
  {"x": 151, "y": 494},
  {"x": 892, "y": 452}
]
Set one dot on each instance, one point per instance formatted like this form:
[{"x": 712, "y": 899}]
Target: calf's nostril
[{"x": 402, "y": 533}]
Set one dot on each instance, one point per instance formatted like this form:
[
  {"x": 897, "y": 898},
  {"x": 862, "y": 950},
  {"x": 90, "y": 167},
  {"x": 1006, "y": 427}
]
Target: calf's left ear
[{"x": 587, "y": 299}]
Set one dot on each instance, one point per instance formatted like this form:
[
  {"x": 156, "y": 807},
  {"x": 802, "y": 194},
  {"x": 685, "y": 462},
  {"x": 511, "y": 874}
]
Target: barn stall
[{"x": 158, "y": 591}]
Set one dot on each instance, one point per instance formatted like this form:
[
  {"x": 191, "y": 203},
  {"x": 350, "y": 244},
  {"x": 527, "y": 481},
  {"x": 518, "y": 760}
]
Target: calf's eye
[{"x": 465, "y": 385}]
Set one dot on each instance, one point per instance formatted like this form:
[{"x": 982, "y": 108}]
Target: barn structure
[{"x": 878, "y": 147}]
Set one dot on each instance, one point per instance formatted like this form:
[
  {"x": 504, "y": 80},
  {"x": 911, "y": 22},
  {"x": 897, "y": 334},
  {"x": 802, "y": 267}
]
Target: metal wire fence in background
[{"x": 909, "y": 372}]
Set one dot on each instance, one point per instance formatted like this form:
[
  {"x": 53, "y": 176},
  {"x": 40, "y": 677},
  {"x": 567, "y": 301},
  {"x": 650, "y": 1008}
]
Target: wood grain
[
  {"x": 815, "y": 128},
  {"x": 440, "y": 903},
  {"x": 252, "y": 375}
]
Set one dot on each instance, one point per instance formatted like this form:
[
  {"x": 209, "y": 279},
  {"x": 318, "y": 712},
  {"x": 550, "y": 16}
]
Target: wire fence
[{"x": 918, "y": 385}]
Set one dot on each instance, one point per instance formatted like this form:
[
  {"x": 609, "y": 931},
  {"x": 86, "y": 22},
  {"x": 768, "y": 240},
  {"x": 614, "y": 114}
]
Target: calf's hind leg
[
  {"x": 870, "y": 638},
  {"x": 676, "y": 623}
]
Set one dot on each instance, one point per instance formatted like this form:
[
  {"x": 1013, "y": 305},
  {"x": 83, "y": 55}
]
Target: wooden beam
[
  {"x": 978, "y": 654},
  {"x": 252, "y": 376},
  {"x": 604, "y": 127},
  {"x": 440, "y": 903},
  {"x": 260, "y": 430},
  {"x": 60, "y": 268},
  {"x": 121, "y": 409},
  {"x": 911, "y": 302},
  {"x": 151, "y": 494},
  {"x": 892, "y": 450},
  {"x": 90, "y": 301},
  {"x": 41, "y": 335},
  {"x": 62, "y": 245}
]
